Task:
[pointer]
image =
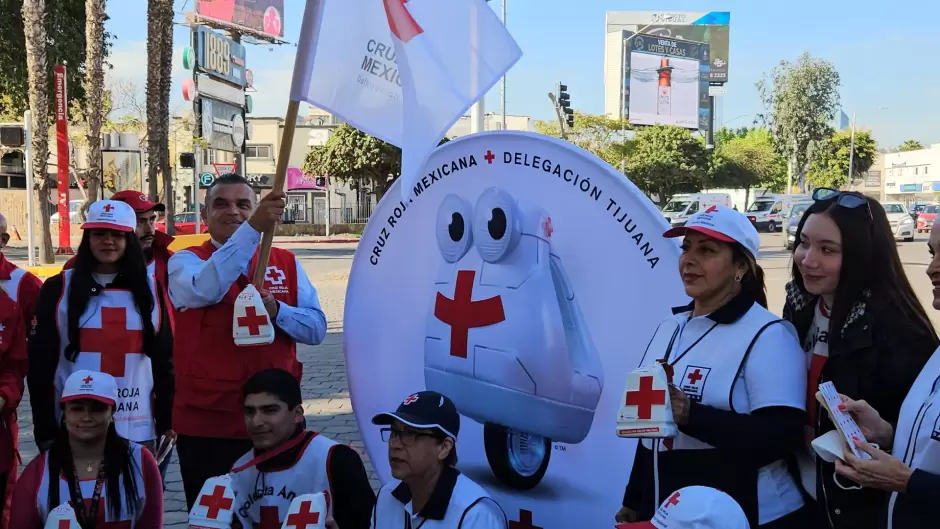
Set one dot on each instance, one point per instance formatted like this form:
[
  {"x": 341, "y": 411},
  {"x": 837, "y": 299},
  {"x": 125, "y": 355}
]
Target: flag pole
[{"x": 280, "y": 175}]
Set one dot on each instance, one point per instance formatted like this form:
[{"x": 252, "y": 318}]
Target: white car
[
  {"x": 74, "y": 206},
  {"x": 902, "y": 224}
]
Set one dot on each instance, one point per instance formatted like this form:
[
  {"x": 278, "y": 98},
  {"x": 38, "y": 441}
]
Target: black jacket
[
  {"x": 877, "y": 358},
  {"x": 44, "y": 359}
]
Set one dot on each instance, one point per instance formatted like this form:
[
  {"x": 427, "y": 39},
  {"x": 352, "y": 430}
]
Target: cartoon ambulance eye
[
  {"x": 496, "y": 225},
  {"x": 453, "y": 228}
]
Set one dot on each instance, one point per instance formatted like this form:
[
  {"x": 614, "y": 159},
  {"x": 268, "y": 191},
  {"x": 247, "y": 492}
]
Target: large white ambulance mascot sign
[{"x": 524, "y": 281}]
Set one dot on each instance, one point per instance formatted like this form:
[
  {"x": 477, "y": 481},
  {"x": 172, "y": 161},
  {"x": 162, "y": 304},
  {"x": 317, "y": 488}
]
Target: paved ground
[{"x": 326, "y": 394}]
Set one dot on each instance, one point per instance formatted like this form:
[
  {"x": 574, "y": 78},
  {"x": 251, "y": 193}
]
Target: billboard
[
  {"x": 222, "y": 125},
  {"x": 712, "y": 28},
  {"x": 666, "y": 82},
  {"x": 220, "y": 56},
  {"x": 121, "y": 170},
  {"x": 263, "y": 16}
]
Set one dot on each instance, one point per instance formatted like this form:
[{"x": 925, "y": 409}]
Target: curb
[{"x": 318, "y": 241}]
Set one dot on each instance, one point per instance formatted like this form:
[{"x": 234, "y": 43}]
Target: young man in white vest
[
  {"x": 428, "y": 491},
  {"x": 211, "y": 370},
  {"x": 288, "y": 461}
]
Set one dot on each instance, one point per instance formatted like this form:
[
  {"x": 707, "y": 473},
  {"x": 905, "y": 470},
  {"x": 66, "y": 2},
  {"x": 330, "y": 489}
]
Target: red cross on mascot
[{"x": 106, "y": 314}]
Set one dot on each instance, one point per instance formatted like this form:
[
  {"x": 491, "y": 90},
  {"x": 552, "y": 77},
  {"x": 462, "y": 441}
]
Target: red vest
[{"x": 211, "y": 369}]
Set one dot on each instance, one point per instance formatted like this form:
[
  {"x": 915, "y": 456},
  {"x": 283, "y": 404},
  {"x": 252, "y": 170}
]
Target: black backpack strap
[{"x": 747, "y": 354}]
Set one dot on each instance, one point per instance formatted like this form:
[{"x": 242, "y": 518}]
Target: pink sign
[{"x": 297, "y": 180}]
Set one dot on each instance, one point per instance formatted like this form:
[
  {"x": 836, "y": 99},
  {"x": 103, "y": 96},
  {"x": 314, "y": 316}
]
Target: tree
[
  {"x": 830, "y": 163},
  {"x": 34, "y": 31},
  {"x": 747, "y": 161},
  {"x": 910, "y": 145},
  {"x": 354, "y": 156},
  {"x": 159, "y": 66},
  {"x": 599, "y": 135},
  {"x": 800, "y": 101},
  {"x": 64, "y": 23},
  {"x": 94, "y": 89},
  {"x": 666, "y": 160}
]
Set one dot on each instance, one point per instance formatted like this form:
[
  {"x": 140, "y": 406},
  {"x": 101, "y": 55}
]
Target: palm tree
[
  {"x": 159, "y": 66},
  {"x": 94, "y": 93},
  {"x": 34, "y": 30},
  {"x": 911, "y": 145}
]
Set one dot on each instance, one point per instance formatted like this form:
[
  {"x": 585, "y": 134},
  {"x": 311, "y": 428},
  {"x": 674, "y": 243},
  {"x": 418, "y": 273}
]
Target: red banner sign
[{"x": 62, "y": 159}]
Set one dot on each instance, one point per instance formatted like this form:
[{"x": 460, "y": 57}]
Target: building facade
[{"x": 912, "y": 177}]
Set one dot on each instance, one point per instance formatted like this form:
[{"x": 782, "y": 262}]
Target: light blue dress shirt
[{"x": 195, "y": 283}]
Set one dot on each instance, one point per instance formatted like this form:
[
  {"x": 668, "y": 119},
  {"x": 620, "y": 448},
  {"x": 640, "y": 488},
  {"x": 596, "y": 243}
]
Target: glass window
[
  {"x": 693, "y": 208},
  {"x": 894, "y": 208},
  {"x": 760, "y": 205},
  {"x": 258, "y": 151},
  {"x": 676, "y": 206}
]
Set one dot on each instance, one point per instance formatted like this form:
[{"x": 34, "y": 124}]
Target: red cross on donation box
[
  {"x": 525, "y": 521},
  {"x": 113, "y": 341},
  {"x": 463, "y": 314},
  {"x": 253, "y": 321},
  {"x": 215, "y": 502},
  {"x": 646, "y": 398},
  {"x": 303, "y": 518}
]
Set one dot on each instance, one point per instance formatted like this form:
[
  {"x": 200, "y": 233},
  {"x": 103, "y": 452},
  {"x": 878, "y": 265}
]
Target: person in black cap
[{"x": 428, "y": 491}]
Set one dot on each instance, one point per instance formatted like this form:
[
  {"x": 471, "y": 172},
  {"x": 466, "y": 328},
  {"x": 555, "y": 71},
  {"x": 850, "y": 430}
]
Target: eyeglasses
[
  {"x": 845, "y": 199},
  {"x": 405, "y": 437}
]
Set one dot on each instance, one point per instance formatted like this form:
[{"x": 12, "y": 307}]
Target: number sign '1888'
[{"x": 218, "y": 54}]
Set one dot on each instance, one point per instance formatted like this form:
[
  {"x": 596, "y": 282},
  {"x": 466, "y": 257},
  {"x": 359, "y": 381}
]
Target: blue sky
[{"x": 882, "y": 54}]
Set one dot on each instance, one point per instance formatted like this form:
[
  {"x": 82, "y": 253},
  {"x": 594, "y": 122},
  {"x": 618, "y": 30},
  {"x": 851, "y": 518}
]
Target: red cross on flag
[
  {"x": 214, "y": 505},
  {"x": 307, "y": 511},
  {"x": 251, "y": 324},
  {"x": 401, "y": 70}
]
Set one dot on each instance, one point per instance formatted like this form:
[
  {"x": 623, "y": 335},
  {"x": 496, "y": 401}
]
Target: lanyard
[
  {"x": 86, "y": 519},
  {"x": 273, "y": 453},
  {"x": 683, "y": 353}
]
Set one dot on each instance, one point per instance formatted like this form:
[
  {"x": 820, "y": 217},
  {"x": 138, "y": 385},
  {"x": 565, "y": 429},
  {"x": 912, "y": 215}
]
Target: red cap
[{"x": 138, "y": 201}]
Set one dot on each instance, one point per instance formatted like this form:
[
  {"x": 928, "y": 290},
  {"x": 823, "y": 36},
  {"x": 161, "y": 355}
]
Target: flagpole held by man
[{"x": 203, "y": 286}]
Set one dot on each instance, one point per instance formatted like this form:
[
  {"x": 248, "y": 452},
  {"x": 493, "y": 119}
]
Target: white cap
[
  {"x": 724, "y": 224},
  {"x": 85, "y": 384},
  {"x": 62, "y": 517},
  {"x": 111, "y": 215},
  {"x": 695, "y": 508}
]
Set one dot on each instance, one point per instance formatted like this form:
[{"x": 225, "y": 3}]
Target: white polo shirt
[{"x": 456, "y": 503}]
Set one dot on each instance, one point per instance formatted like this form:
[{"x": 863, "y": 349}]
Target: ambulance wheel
[
  {"x": 518, "y": 459},
  {"x": 771, "y": 227}
]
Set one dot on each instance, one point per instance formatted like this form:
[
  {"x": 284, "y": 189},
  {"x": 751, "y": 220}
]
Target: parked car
[
  {"x": 74, "y": 206},
  {"x": 793, "y": 222},
  {"x": 926, "y": 217},
  {"x": 185, "y": 224},
  {"x": 902, "y": 224}
]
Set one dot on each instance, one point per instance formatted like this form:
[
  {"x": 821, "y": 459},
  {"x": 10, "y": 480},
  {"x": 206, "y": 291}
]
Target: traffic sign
[
  {"x": 224, "y": 168},
  {"x": 205, "y": 179}
]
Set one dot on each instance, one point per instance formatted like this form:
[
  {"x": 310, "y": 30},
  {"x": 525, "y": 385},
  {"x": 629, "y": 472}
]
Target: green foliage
[
  {"x": 800, "y": 100},
  {"x": 354, "y": 156},
  {"x": 666, "y": 160},
  {"x": 911, "y": 145},
  {"x": 599, "y": 135},
  {"x": 65, "y": 25},
  {"x": 746, "y": 159},
  {"x": 830, "y": 163}
]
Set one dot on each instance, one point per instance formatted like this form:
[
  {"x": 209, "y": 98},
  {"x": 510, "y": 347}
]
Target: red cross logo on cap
[
  {"x": 411, "y": 399},
  {"x": 143, "y": 198},
  {"x": 108, "y": 208},
  {"x": 673, "y": 500},
  {"x": 711, "y": 209},
  {"x": 87, "y": 380}
]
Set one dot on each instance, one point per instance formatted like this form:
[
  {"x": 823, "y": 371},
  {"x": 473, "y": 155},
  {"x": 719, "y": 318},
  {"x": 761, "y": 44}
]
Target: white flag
[{"x": 403, "y": 71}]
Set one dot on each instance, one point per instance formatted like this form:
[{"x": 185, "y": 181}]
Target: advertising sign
[
  {"x": 712, "y": 28},
  {"x": 209, "y": 87},
  {"x": 873, "y": 179},
  {"x": 910, "y": 188},
  {"x": 62, "y": 157},
  {"x": 122, "y": 170},
  {"x": 530, "y": 327},
  {"x": 258, "y": 180},
  {"x": 667, "y": 82},
  {"x": 265, "y": 16},
  {"x": 222, "y": 125},
  {"x": 298, "y": 181},
  {"x": 220, "y": 56}
]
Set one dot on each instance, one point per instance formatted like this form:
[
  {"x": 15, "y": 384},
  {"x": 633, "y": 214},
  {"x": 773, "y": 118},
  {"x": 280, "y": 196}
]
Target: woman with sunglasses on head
[
  {"x": 739, "y": 384},
  {"x": 105, "y": 315},
  {"x": 862, "y": 328},
  {"x": 108, "y": 480}
]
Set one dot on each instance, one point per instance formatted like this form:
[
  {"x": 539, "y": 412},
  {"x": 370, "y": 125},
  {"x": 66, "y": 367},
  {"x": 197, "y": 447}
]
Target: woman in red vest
[
  {"x": 104, "y": 315},
  {"x": 13, "y": 366},
  {"x": 105, "y": 478}
]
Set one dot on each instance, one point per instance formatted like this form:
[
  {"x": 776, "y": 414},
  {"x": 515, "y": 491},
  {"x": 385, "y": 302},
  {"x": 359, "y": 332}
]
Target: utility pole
[
  {"x": 561, "y": 100},
  {"x": 852, "y": 151},
  {"x": 502, "y": 88},
  {"x": 30, "y": 192}
]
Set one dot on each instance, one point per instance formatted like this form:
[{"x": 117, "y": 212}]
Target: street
[{"x": 326, "y": 395}]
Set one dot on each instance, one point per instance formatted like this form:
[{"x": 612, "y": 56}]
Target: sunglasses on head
[{"x": 845, "y": 199}]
